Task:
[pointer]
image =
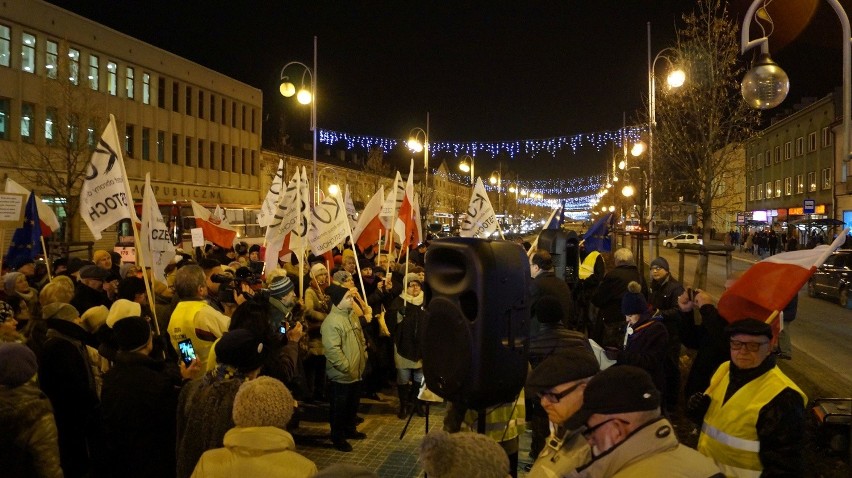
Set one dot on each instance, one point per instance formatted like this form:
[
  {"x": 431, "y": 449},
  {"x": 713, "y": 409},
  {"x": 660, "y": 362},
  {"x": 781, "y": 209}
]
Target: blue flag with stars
[{"x": 26, "y": 242}]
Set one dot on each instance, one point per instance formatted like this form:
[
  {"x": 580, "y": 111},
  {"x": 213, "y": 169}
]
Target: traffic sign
[{"x": 809, "y": 206}]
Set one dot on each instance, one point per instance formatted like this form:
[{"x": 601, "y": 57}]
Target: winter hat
[
  {"x": 446, "y": 455},
  {"x": 61, "y": 311},
  {"x": 318, "y": 269},
  {"x": 263, "y": 402},
  {"x": 660, "y": 262},
  {"x": 633, "y": 301},
  {"x": 56, "y": 291},
  {"x": 412, "y": 276},
  {"x": 749, "y": 327},
  {"x": 240, "y": 348},
  {"x": 9, "y": 282},
  {"x": 254, "y": 248},
  {"x": 280, "y": 286},
  {"x": 75, "y": 264},
  {"x": 125, "y": 267},
  {"x": 6, "y": 312},
  {"x": 561, "y": 367},
  {"x": 341, "y": 277},
  {"x": 346, "y": 470},
  {"x": 17, "y": 364},
  {"x": 336, "y": 293},
  {"x": 548, "y": 310},
  {"x": 120, "y": 309},
  {"x": 131, "y": 333},
  {"x": 94, "y": 318},
  {"x": 94, "y": 272},
  {"x": 619, "y": 389},
  {"x": 100, "y": 254}
]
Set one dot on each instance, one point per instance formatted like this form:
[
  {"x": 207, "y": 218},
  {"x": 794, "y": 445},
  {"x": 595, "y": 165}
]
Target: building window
[
  {"x": 4, "y": 118},
  {"x": 27, "y": 122},
  {"x": 826, "y": 178},
  {"x": 778, "y": 188},
  {"x": 751, "y": 163},
  {"x": 28, "y": 52},
  {"x": 768, "y": 189},
  {"x": 826, "y": 137},
  {"x": 812, "y": 181},
  {"x": 93, "y": 72},
  {"x": 201, "y": 104},
  {"x": 128, "y": 139},
  {"x": 50, "y": 126},
  {"x": 759, "y": 192},
  {"x": 788, "y": 150},
  {"x": 751, "y": 193},
  {"x": 74, "y": 66},
  {"x": 812, "y": 142},
  {"x": 200, "y": 151},
  {"x": 768, "y": 157},
  {"x": 128, "y": 82},
  {"x": 51, "y": 57},
  {"x": 253, "y": 127},
  {"x": 244, "y": 117},
  {"x": 112, "y": 78},
  {"x": 233, "y": 115},
  {"x": 212, "y": 108},
  {"x": 222, "y": 116},
  {"x": 161, "y": 147},
  {"x": 777, "y": 154},
  {"x": 760, "y": 160},
  {"x": 146, "y": 144},
  {"x": 146, "y": 88},
  {"x": 175, "y": 159},
  {"x": 188, "y": 110},
  {"x": 788, "y": 186},
  {"x": 5, "y": 45},
  {"x": 175, "y": 96},
  {"x": 161, "y": 92},
  {"x": 800, "y": 183},
  {"x": 800, "y": 146}
]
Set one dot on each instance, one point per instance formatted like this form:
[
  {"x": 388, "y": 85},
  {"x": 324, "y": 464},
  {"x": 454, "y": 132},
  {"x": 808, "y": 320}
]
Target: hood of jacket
[{"x": 258, "y": 440}]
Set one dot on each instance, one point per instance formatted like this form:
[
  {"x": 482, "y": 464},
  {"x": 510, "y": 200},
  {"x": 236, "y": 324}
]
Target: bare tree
[
  {"x": 55, "y": 163},
  {"x": 377, "y": 166}
]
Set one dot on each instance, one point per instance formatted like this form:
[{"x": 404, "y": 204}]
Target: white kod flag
[
  {"x": 270, "y": 203},
  {"x": 351, "y": 212},
  {"x": 105, "y": 196},
  {"x": 392, "y": 202},
  {"x": 156, "y": 241},
  {"x": 285, "y": 220},
  {"x": 479, "y": 219},
  {"x": 328, "y": 224}
]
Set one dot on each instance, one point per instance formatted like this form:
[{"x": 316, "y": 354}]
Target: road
[{"x": 821, "y": 334}]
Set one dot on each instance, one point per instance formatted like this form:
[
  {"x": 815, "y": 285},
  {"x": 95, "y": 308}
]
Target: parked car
[
  {"x": 833, "y": 278},
  {"x": 683, "y": 239}
]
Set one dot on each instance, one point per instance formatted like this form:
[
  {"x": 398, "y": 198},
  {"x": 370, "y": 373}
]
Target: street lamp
[
  {"x": 675, "y": 79},
  {"x": 766, "y": 85},
  {"x": 305, "y": 96},
  {"x": 333, "y": 188},
  {"x": 416, "y": 146},
  {"x": 466, "y": 165},
  {"x": 496, "y": 179}
]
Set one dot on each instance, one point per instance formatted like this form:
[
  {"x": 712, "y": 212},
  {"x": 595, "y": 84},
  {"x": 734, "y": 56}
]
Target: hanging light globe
[{"x": 765, "y": 85}]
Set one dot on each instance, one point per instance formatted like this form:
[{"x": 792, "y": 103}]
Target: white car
[{"x": 683, "y": 239}]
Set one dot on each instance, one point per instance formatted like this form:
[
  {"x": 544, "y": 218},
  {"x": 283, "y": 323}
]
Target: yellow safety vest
[
  {"x": 503, "y": 422},
  {"x": 729, "y": 431},
  {"x": 182, "y": 326}
]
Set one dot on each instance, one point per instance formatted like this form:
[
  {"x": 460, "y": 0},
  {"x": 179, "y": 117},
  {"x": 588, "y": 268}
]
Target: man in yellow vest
[{"x": 753, "y": 414}]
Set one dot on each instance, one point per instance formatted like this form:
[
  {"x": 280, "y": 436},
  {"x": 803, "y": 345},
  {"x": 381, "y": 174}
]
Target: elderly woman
[
  {"x": 317, "y": 307},
  {"x": 408, "y": 310},
  {"x": 15, "y": 285},
  {"x": 8, "y": 325}
]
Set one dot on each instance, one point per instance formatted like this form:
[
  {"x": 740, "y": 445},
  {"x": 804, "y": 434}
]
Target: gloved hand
[{"x": 696, "y": 407}]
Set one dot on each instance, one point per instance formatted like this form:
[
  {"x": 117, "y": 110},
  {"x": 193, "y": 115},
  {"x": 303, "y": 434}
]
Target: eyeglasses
[
  {"x": 750, "y": 346},
  {"x": 555, "y": 397},
  {"x": 588, "y": 432},
  {"x": 656, "y": 268}
]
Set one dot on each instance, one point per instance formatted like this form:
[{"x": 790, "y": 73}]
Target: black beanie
[
  {"x": 336, "y": 293},
  {"x": 131, "y": 333}
]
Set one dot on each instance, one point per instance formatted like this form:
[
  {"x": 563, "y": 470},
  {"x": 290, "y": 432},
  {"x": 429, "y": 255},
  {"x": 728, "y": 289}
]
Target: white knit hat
[
  {"x": 462, "y": 455},
  {"x": 263, "y": 402},
  {"x": 122, "y": 308}
]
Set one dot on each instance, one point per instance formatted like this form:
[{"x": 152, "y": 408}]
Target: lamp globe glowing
[
  {"x": 676, "y": 78},
  {"x": 627, "y": 191},
  {"x": 765, "y": 85},
  {"x": 304, "y": 97},
  {"x": 333, "y": 189},
  {"x": 287, "y": 89},
  {"x": 415, "y": 146}
]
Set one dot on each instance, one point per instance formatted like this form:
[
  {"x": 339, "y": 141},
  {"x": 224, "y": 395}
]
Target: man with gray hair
[
  {"x": 193, "y": 318},
  {"x": 609, "y": 326}
]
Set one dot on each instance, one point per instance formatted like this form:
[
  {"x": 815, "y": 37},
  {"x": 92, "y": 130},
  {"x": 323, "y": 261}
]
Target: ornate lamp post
[
  {"x": 466, "y": 165},
  {"x": 305, "y": 96}
]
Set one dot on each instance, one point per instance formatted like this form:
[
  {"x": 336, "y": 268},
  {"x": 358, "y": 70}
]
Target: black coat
[
  {"x": 139, "y": 403},
  {"x": 711, "y": 343},
  {"x": 547, "y": 284},
  {"x": 611, "y": 290},
  {"x": 553, "y": 338},
  {"x": 663, "y": 300},
  {"x": 647, "y": 349}
]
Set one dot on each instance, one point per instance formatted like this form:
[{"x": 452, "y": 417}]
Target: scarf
[{"x": 416, "y": 300}]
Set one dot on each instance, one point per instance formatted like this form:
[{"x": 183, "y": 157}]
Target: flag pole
[
  {"x": 140, "y": 257},
  {"x": 357, "y": 262},
  {"x": 46, "y": 257}
]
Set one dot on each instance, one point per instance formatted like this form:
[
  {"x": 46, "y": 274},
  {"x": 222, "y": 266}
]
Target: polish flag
[
  {"x": 215, "y": 226},
  {"x": 768, "y": 286},
  {"x": 369, "y": 228},
  {"x": 405, "y": 226},
  {"x": 47, "y": 218}
]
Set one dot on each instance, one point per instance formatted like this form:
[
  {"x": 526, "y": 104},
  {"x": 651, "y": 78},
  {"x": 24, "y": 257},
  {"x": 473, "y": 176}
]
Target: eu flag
[{"x": 26, "y": 242}]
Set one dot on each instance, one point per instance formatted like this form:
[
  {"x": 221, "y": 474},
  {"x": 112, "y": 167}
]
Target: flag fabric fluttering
[
  {"x": 480, "y": 220},
  {"x": 270, "y": 204},
  {"x": 156, "y": 240},
  {"x": 596, "y": 237},
  {"x": 369, "y": 227},
  {"x": 404, "y": 227},
  {"x": 26, "y": 241},
  {"x": 769, "y": 285},
  {"x": 555, "y": 221},
  {"x": 282, "y": 223},
  {"x": 105, "y": 196},
  {"x": 328, "y": 224},
  {"x": 392, "y": 201},
  {"x": 47, "y": 218},
  {"x": 215, "y": 226},
  {"x": 351, "y": 212}
]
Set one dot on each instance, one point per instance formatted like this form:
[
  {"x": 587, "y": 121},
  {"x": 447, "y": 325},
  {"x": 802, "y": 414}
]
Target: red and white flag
[
  {"x": 392, "y": 202},
  {"x": 369, "y": 228},
  {"x": 215, "y": 226},
  {"x": 405, "y": 227},
  {"x": 768, "y": 286},
  {"x": 47, "y": 218}
]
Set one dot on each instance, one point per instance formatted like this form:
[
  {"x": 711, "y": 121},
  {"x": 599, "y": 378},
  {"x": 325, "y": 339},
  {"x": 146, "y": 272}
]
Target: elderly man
[
  {"x": 545, "y": 283},
  {"x": 663, "y": 298},
  {"x": 627, "y": 435},
  {"x": 608, "y": 329},
  {"x": 753, "y": 414},
  {"x": 89, "y": 291},
  {"x": 559, "y": 382}
]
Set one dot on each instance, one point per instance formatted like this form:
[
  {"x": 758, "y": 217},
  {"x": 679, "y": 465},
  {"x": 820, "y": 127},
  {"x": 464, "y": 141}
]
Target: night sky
[{"x": 486, "y": 71}]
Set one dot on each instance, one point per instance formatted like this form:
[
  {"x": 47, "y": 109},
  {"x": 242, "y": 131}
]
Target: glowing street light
[{"x": 305, "y": 95}]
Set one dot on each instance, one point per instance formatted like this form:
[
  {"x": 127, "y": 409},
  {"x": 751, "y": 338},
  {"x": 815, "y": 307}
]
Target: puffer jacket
[
  {"x": 255, "y": 451},
  {"x": 28, "y": 435},
  {"x": 345, "y": 347}
]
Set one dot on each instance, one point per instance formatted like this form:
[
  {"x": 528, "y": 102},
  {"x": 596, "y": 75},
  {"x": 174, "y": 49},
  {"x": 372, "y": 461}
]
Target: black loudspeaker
[
  {"x": 553, "y": 241},
  {"x": 474, "y": 339},
  {"x": 572, "y": 258}
]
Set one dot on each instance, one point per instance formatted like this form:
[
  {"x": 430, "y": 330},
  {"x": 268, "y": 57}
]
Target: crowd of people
[{"x": 206, "y": 377}]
